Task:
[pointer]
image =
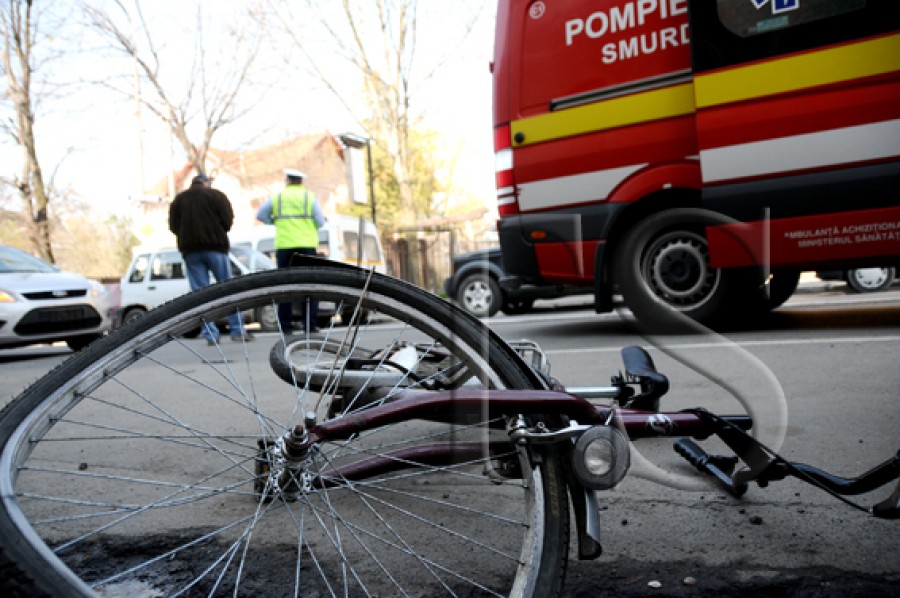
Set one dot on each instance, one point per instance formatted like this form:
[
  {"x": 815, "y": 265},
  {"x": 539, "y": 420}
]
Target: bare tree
[
  {"x": 207, "y": 99},
  {"x": 21, "y": 34},
  {"x": 379, "y": 39}
]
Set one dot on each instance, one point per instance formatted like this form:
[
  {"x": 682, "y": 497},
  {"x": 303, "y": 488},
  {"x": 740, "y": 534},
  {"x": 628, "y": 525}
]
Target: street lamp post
[{"x": 371, "y": 178}]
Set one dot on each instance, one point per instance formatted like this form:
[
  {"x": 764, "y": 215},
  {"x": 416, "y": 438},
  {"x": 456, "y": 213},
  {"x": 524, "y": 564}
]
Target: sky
[{"x": 90, "y": 139}]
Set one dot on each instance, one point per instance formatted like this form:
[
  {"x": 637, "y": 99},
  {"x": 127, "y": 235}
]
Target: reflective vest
[{"x": 292, "y": 214}]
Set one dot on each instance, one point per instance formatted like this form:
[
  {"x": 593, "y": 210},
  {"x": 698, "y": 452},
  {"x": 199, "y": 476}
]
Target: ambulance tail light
[{"x": 506, "y": 184}]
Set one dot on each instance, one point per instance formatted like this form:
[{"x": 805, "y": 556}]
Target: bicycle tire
[
  {"x": 327, "y": 353},
  {"x": 126, "y": 467}
]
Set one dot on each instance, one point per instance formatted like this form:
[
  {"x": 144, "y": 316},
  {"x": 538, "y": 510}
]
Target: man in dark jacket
[{"x": 201, "y": 217}]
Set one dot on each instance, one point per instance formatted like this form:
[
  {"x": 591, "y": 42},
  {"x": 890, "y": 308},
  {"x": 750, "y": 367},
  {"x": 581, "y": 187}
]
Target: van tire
[
  {"x": 267, "y": 318},
  {"x": 662, "y": 271},
  {"x": 780, "y": 288},
  {"x": 133, "y": 314}
]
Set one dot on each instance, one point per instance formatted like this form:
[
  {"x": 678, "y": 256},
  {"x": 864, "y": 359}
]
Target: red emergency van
[{"x": 696, "y": 155}]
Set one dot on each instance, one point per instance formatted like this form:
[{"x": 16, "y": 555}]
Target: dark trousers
[
  {"x": 200, "y": 264},
  {"x": 285, "y": 310}
]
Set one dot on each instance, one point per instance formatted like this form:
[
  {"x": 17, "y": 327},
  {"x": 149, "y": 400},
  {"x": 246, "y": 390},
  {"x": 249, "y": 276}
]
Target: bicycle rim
[{"x": 143, "y": 465}]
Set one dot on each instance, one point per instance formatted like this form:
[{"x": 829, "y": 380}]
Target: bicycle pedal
[{"x": 717, "y": 466}]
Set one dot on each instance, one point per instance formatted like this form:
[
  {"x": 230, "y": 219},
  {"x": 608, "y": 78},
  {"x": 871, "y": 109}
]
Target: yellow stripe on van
[
  {"x": 656, "y": 104},
  {"x": 824, "y": 67}
]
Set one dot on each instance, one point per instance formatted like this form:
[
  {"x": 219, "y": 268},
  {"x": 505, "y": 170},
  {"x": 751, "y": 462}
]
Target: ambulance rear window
[{"x": 747, "y": 18}]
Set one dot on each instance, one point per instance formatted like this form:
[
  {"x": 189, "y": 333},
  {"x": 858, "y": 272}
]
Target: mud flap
[{"x": 587, "y": 520}]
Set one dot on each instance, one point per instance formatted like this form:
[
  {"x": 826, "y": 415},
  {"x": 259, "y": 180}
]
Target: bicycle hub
[{"x": 294, "y": 449}]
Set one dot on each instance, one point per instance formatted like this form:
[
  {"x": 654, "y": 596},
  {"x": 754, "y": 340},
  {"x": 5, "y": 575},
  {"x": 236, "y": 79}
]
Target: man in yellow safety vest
[{"x": 297, "y": 219}]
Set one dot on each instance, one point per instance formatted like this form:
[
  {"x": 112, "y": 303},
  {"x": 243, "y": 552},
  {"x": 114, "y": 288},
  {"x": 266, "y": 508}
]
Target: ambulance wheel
[
  {"x": 870, "y": 280},
  {"x": 781, "y": 286},
  {"x": 753, "y": 292},
  {"x": 663, "y": 272}
]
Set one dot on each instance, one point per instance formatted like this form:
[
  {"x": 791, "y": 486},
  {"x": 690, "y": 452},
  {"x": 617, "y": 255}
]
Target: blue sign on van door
[
  {"x": 784, "y": 5},
  {"x": 778, "y": 6}
]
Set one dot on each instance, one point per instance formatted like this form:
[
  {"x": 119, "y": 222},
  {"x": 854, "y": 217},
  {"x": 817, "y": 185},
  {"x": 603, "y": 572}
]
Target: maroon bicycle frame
[{"x": 464, "y": 406}]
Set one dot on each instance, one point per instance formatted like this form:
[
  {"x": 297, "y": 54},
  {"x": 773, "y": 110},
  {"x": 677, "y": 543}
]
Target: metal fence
[{"x": 432, "y": 262}]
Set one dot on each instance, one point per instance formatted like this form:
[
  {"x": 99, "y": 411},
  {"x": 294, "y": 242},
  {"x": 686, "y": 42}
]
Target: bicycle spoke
[{"x": 156, "y": 464}]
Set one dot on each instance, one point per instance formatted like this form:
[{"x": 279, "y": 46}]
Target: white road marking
[{"x": 747, "y": 343}]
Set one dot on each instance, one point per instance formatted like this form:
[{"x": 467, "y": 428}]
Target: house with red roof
[{"x": 248, "y": 178}]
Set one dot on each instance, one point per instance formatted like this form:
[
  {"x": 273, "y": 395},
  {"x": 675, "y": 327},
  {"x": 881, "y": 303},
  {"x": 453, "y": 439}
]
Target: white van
[
  {"x": 157, "y": 276},
  {"x": 339, "y": 240}
]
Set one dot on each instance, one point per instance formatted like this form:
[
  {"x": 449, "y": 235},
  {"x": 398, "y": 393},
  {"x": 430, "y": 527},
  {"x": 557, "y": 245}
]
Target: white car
[
  {"x": 155, "y": 277},
  {"x": 39, "y": 303}
]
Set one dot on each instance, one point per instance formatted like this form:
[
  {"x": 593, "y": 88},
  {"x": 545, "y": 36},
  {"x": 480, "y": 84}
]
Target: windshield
[
  {"x": 16, "y": 260},
  {"x": 252, "y": 259}
]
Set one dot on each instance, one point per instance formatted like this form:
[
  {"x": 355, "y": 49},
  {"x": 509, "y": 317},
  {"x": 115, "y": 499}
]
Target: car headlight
[
  {"x": 97, "y": 289},
  {"x": 7, "y": 297}
]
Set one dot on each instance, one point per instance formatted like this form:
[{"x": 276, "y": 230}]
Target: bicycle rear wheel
[{"x": 143, "y": 465}]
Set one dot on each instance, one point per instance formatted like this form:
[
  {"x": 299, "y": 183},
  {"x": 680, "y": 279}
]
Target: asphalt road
[
  {"x": 822, "y": 372},
  {"x": 820, "y": 375}
]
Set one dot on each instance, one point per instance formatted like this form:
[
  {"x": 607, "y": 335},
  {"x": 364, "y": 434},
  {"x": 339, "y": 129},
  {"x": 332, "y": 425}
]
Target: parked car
[
  {"x": 39, "y": 303},
  {"x": 863, "y": 280},
  {"x": 481, "y": 286},
  {"x": 155, "y": 277}
]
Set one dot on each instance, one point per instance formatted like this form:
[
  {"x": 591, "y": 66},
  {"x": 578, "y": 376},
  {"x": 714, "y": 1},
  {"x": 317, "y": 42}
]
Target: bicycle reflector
[{"x": 601, "y": 457}]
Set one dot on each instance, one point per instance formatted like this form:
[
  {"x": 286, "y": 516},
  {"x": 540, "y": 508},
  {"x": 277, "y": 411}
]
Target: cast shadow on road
[{"x": 883, "y": 317}]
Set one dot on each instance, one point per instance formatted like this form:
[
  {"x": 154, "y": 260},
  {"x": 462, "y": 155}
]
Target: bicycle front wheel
[{"x": 150, "y": 463}]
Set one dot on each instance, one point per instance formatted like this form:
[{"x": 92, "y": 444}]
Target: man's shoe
[
  {"x": 246, "y": 338},
  {"x": 210, "y": 343}
]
